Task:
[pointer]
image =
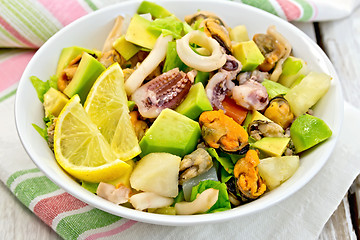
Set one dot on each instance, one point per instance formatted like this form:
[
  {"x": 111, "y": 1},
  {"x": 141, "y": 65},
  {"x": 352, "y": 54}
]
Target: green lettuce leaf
[
  {"x": 223, "y": 202},
  {"x": 168, "y": 26},
  {"x": 92, "y": 187},
  {"x": 224, "y": 159},
  {"x": 42, "y": 87},
  {"x": 172, "y": 59},
  {"x": 274, "y": 89},
  {"x": 43, "y": 131},
  {"x": 179, "y": 198},
  {"x": 225, "y": 176}
]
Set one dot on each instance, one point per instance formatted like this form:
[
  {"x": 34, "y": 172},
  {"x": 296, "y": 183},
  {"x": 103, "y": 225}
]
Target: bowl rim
[{"x": 179, "y": 220}]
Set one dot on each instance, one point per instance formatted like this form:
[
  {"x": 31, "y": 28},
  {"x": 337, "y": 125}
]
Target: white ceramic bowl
[{"x": 91, "y": 31}]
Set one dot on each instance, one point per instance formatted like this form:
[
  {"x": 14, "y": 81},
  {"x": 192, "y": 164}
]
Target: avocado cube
[
  {"x": 293, "y": 70},
  {"x": 125, "y": 48},
  {"x": 307, "y": 131},
  {"x": 171, "y": 132},
  {"x": 87, "y": 72},
  {"x": 239, "y": 34},
  {"x": 68, "y": 54},
  {"x": 195, "y": 102},
  {"x": 248, "y": 54},
  {"x": 202, "y": 77},
  {"x": 154, "y": 9},
  {"x": 139, "y": 34},
  {"x": 54, "y": 101},
  {"x": 272, "y": 146}
]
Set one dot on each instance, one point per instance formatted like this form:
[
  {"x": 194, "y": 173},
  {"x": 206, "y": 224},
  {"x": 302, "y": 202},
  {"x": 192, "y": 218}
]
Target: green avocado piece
[
  {"x": 273, "y": 146},
  {"x": 248, "y": 54},
  {"x": 139, "y": 34},
  {"x": 195, "y": 102},
  {"x": 125, "y": 48},
  {"x": 293, "y": 69},
  {"x": 154, "y": 9},
  {"x": 239, "y": 34},
  {"x": 307, "y": 131},
  {"x": 87, "y": 72},
  {"x": 274, "y": 89},
  {"x": 68, "y": 54},
  {"x": 171, "y": 132},
  {"x": 54, "y": 101},
  {"x": 202, "y": 77}
]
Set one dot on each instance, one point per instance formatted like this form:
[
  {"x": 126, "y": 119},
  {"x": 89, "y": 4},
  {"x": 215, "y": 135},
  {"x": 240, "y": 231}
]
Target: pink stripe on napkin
[
  {"x": 114, "y": 231},
  {"x": 65, "y": 11},
  {"x": 15, "y": 33},
  {"x": 291, "y": 10},
  {"x": 12, "y": 68},
  {"x": 47, "y": 209}
]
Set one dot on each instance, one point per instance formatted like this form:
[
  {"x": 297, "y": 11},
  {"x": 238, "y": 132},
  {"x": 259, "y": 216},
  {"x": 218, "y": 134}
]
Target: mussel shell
[
  {"x": 202, "y": 15},
  {"x": 279, "y": 111}
]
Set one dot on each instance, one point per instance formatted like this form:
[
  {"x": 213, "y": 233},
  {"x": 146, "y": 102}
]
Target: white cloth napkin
[{"x": 301, "y": 216}]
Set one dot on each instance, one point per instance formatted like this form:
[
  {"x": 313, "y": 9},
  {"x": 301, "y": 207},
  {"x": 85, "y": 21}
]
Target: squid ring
[{"x": 210, "y": 63}]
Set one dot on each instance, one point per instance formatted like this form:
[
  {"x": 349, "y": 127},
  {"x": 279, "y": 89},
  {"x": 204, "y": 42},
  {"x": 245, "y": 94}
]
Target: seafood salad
[{"x": 182, "y": 116}]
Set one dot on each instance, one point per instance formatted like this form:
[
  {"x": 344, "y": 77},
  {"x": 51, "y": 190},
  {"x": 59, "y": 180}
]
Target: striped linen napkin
[
  {"x": 40, "y": 19},
  {"x": 73, "y": 219}
]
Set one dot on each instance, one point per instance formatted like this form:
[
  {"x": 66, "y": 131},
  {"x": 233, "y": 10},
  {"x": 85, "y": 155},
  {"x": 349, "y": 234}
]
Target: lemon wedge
[
  {"x": 106, "y": 104},
  {"x": 80, "y": 148}
]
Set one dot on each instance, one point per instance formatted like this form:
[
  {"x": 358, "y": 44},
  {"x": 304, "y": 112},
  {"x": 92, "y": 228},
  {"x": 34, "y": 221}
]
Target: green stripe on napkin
[
  {"x": 74, "y": 225},
  {"x": 31, "y": 188},
  {"x": 262, "y": 4},
  {"x": 20, "y": 173},
  {"x": 91, "y": 5},
  {"x": 308, "y": 10}
]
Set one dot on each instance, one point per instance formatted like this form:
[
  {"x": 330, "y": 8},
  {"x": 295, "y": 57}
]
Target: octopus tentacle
[{"x": 165, "y": 91}]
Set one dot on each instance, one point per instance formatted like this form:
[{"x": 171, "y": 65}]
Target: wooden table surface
[{"x": 340, "y": 39}]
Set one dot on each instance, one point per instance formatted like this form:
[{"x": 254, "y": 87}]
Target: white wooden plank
[
  {"x": 337, "y": 227},
  {"x": 342, "y": 42}
]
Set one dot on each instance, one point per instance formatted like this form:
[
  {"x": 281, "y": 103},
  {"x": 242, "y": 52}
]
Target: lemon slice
[
  {"x": 80, "y": 148},
  {"x": 107, "y": 107}
]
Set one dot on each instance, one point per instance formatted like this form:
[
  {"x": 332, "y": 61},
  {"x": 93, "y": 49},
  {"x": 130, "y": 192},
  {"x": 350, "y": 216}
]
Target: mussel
[
  {"x": 194, "y": 164},
  {"x": 248, "y": 181},
  {"x": 68, "y": 73},
  {"x": 219, "y": 130},
  {"x": 279, "y": 111},
  {"x": 213, "y": 27},
  {"x": 270, "y": 48},
  {"x": 275, "y": 49},
  {"x": 261, "y": 128}
]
